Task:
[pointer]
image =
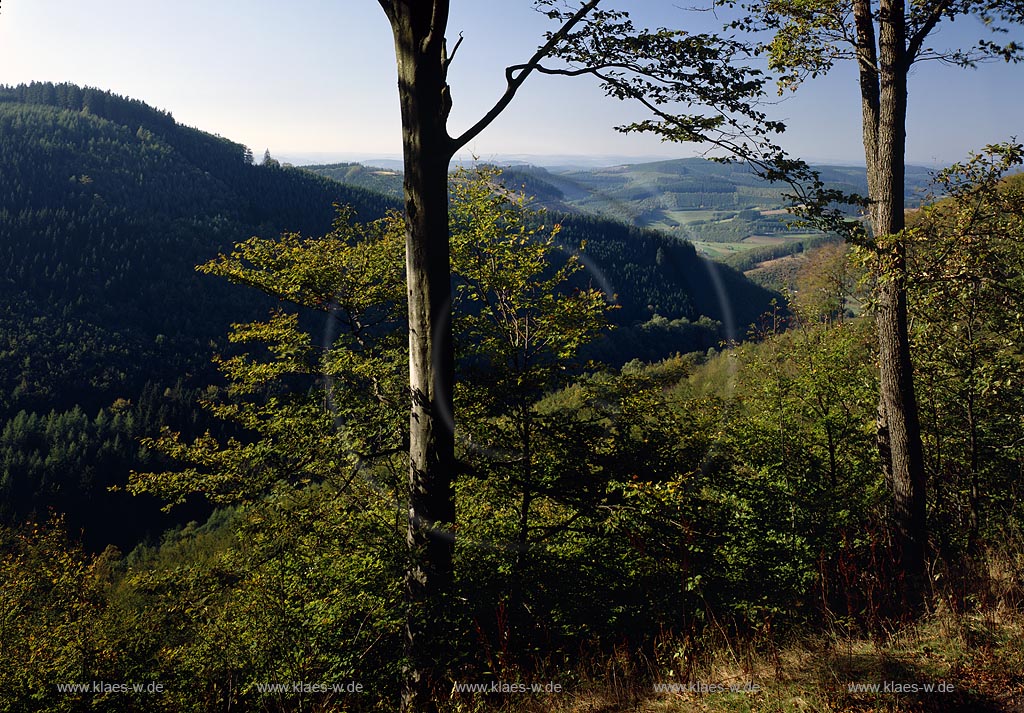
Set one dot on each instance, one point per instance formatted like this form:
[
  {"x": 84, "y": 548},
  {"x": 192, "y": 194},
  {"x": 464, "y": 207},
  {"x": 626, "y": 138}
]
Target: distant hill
[
  {"x": 106, "y": 207},
  {"x": 649, "y": 192},
  {"x": 724, "y": 209},
  {"x": 382, "y": 180}
]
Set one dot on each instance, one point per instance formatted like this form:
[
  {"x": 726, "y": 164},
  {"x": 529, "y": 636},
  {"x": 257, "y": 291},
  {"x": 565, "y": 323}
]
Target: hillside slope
[
  {"x": 106, "y": 329},
  {"x": 106, "y": 207},
  {"x": 670, "y": 298}
]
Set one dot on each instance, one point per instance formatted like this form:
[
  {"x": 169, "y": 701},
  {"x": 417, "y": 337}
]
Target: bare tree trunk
[
  {"x": 419, "y": 29},
  {"x": 884, "y": 105}
]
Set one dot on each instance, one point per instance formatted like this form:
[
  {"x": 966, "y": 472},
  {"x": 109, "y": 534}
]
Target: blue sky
[{"x": 317, "y": 77}]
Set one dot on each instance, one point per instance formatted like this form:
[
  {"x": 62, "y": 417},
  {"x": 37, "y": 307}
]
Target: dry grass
[
  {"x": 980, "y": 655},
  {"x": 973, "y": 642}
]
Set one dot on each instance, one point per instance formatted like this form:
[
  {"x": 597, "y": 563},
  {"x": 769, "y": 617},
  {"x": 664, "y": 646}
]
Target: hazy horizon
[
  {"x": 394, "y": 160},
  {"x": 318, "y": 77}
]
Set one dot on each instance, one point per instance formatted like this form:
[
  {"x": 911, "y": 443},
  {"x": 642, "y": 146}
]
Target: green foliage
[
  {"x": 795, "y": 466},
  {"x": 662, "y": 67},
  {"x": 809, "y": 37},
  {"x": 301, "y": 586},
  {"x": 520, "y": 327},
  {"x": 824, "y": 284},
  {"x": 296, "y": 433},
  {"x": 256, "y": 595},
  {"x": 519, "y": 316},
  {"x": 52, "y": 598},
  {"x": 966, "y": 263},
  {"x": 322, "y": 421},
  {"x": 66, "y": 462},
  {"x": 739, "y": 491},
  {"x": 105, "y": 204}
]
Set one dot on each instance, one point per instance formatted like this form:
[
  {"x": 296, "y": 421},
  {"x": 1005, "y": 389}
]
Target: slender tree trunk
[
  {"x": 833, "y": 464},
  {"x": 419, "y": 29},
  {"x": 974, "y": 514},
  {"x": 517, "y": 599},
  {"x": 884, "y": 105}
]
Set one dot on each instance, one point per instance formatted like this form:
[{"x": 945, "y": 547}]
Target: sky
[{"x": 314, "y": 80}]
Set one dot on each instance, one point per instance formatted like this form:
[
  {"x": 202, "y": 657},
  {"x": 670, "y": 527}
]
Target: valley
[
  {"x": 729, "y": 214},
  {"x": 662, "y": 406}
]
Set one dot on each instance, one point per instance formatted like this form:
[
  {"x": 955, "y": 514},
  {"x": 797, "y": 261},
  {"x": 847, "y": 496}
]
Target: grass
[
  {"x": 717, "y": 250},
  {"x": 759, "y": 240},
  {"x": 685, "y": 217},
  {"x": 981, "y": 656}
]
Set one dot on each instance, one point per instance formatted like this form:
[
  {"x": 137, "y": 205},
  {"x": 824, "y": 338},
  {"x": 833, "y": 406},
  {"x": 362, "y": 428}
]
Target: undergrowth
[{"x": 966, "y": 655}]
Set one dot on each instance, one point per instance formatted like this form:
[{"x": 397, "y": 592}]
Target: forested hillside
[
  {"x": 671, "y": 299},
  {"x": 107, "y": 330},
  {"x": 620, "y": 532},
  {"x": 106, "y": 207}
]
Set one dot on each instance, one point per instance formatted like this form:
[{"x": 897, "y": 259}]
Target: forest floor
[{"x": 946, "y": 664}]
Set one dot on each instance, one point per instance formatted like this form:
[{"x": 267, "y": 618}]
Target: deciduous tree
[
  {"x": 658, "y": 68},
  {"x": 965, "y": 268},
  {"x": 521, "y": 325},
  {"x": 885, "y": 39}
]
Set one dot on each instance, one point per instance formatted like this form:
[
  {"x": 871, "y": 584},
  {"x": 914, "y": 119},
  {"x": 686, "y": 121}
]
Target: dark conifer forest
[{"x": 669, "y": 490}]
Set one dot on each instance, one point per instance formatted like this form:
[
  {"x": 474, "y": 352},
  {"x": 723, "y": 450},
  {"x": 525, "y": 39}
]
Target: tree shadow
[{"x": 883, "y": 682}]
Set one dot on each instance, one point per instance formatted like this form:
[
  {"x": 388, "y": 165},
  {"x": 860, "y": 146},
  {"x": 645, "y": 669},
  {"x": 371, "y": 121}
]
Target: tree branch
[
  {"x": 917, "y": 39},
  {"x": 514, "y": 81},
  {"x": 635, "y": 69},
  {"x": 448, "y": 57}
]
